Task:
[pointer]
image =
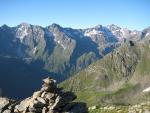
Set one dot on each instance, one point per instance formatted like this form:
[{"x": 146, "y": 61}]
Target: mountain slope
[
  {"x": 58, "y": 48},
  {"x": 62, "y": 50},
  {"x": 118, "y": 78},
  {"x": 54, "y": 50}
]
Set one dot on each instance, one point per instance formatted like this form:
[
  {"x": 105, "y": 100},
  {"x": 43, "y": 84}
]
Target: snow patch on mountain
[
  {"x": 120, "y": 33},
  {"x": 147, "y": 34},
  {"x": 92, "y": 32},
  {"x": 146, "y": 90},
  {"x": 134, "y": 32},
  {"x": 60, "y": 43},
  {"x": 22, "y": 31},
  {"x": 34, "y": 50}
]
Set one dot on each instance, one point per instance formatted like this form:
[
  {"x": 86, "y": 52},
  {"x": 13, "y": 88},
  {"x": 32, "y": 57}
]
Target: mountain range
[
  {"x": 122, "y": 77},
  {"x": 29, "y": 53}
]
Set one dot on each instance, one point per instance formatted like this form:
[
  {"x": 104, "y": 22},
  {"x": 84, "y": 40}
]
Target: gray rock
[
  {"x": 43, "y": 94},
  {"x": 36, "y": 94},
  {"x": 44, "y": 110},
  {"x": 35, "y": 110},
  {"x": 12, "y": 106},
  {"x": 32, "y": 109},
  {"x": 48, "y": 88},
  {"x": 7, "y": 111},
  {"x": 23, "y": 105},
  {"x": 49, "y": 80},
  {"x": 58, "y": 103},
  {"x": 49, "y": 85},
  {"x": 4, "y": 102},
  {"x": 38, "y": 104},
  {"x": 49, "y": 96},
  {"x": 41, "y": 100},
  {"x": 92, "y": 107},
  {"x": 51, "y": 102}
]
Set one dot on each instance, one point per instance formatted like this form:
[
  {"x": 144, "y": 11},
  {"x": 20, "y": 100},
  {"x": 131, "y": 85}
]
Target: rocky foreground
[{"x": 49, "y": 99}]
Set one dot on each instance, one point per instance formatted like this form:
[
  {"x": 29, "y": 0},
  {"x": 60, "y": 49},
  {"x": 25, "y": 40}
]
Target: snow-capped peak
[
  {"x": 113, "y": 27},
  {"x": 22, "y": 31},
  {"x": 118, "y": 32},
  {"x": 91, "y": 32},
  {"x": 60, "y": 42},
  {"x": 98, "y": 26},
  {"x": 25, "y": 24}
]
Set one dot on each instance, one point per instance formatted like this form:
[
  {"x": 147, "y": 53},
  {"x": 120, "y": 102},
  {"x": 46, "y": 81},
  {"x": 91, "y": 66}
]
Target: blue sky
[{"x": 133, "y": 14}]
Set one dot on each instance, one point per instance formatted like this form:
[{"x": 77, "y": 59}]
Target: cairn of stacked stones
[{"x": 49, "y": 99}]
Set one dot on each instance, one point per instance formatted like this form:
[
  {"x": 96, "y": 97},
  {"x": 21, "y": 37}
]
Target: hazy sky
[{"x": 133, "y": 14}]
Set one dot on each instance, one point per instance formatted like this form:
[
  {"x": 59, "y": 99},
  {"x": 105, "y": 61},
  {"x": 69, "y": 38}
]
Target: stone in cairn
[{"x": 49, "y": 85}]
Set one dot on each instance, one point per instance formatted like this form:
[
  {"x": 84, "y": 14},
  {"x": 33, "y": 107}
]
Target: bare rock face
[
  {"x": 3, "y": 103},
  {"x": 49, "y": 99},
  {"x": 6, "y": 103}
]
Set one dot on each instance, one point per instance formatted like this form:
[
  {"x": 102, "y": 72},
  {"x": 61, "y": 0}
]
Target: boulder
[
  {"x": 7, "y": 111},
  {"x": 23, "y": 104},
  {"x": 92, "y": 107},
  {"x": 36, "y": 94},
  {"x": 38, "y": 104},
  {"x": 41, "y": 100},
  {"x": 4, "y": 102},
  {"x": 49, "y": 85},
  {"x": 43, "y": 94},
  {"x": 50, "y": 96},
  {"x": 57, "y": 103},
  {"x": 49, "y": 80},
  {"x": 44, "y": 110}
]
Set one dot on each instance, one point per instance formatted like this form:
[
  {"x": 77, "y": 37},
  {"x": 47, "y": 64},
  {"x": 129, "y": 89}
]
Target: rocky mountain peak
[
  {"x": 22, "y": 31},
  {"x": 54, "y": 28},
  {"x": 25, "y": 24},
  {"x": 4, "y": 26},
  {"x": 54, "y": 25},
  {"x": 113, "y": 27},
  {"x": 98, "y": 27}
]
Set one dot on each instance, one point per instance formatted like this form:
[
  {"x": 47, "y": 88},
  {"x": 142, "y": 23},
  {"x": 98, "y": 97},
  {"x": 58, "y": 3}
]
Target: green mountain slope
[{"x": 118, "y": 78}]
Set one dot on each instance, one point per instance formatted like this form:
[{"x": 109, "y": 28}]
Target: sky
[{"x": 132, "y": 14}]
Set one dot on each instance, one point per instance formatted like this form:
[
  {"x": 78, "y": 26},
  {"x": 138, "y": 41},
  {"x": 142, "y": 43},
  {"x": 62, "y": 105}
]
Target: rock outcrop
[{"x": 49, "y": 99}]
